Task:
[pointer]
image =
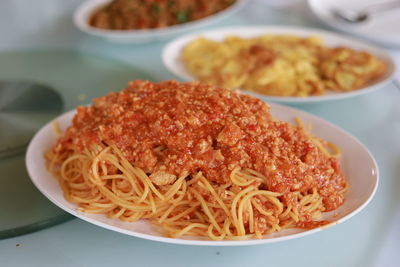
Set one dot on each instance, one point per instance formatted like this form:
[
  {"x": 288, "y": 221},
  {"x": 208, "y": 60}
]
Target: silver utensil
[
  {"x": 365, "y": 13},
  {"x": 24, "y": 108}
]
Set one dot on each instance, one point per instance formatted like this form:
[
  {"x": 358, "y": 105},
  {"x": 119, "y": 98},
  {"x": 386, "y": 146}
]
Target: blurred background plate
[
  {"x": 75, "y": 78},
  {"x": 82, "y": 14},
  {"x": 171, "y": 56},
  {"x": 382, "y": 27}
]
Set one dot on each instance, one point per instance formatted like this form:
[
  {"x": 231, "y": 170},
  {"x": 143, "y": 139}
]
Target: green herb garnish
[{"x": 182, "y": 16}]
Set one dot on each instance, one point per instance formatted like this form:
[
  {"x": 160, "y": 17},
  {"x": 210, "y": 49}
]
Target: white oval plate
[
  {"x": 171, "y": 56},
  {"x": 358, "y": 165},
  {"x": 382, "y": 28},
  {"x": 82, "y": 14}
]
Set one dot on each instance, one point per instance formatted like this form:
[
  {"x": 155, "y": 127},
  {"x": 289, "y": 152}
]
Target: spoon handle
[{"x": 379, "y": 7}]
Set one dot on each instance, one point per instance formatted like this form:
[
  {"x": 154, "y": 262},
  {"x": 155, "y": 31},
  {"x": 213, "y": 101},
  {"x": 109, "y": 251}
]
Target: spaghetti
[{"x": 195, "y": 160}]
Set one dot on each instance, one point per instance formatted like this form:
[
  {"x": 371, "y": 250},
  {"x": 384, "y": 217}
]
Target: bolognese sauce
[
  {"x": 172, "y": 129},
  {"x": 150, "y": 14}
]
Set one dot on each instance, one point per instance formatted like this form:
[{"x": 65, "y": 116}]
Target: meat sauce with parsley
[{"x": 149, "y": 14}]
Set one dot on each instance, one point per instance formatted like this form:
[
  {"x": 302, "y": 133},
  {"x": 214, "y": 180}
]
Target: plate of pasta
[
  {"x": 280, "y": 63},
  {"x": 193, "y": 164}
]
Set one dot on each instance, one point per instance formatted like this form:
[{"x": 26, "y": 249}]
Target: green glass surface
[
  {"x": 77, "y": 77},
  {"x": 24, "y": 107}
]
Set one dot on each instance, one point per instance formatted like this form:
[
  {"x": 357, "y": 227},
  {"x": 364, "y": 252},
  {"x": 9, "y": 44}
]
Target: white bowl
[
  {"x": 171, "y": 56},
  {"x": 358, "y": 165},
  {"x": 86, "y": 9},
  {"x": 382, "y": 28}
]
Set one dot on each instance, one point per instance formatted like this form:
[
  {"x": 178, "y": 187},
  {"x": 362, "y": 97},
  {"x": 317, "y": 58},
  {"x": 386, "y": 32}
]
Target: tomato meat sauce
[
  {"x": 153, "y": 14},
  {"x": 178, "y": 129}
]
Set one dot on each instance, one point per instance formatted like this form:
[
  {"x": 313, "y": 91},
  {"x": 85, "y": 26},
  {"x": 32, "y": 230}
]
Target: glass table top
[{"x": 93, "y": 76}]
